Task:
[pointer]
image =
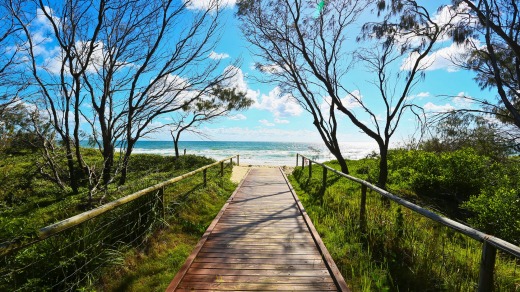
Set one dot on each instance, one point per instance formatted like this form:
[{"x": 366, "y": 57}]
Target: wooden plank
[
  {"x": 259, "y": 279},
  {"x": 229, "y": 260},
  {"x": 256, "y": 266},
  {"x": 253, "y": 272},
  {"x": 258, "y": 286},
  {"x": 260, "y": 256},
  {"x": 261, "y": 242}
]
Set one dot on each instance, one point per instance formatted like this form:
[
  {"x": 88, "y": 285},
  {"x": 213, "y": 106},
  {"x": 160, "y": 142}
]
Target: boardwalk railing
[
  {"x": 490, "y": 243},
  {"x": 63, "y": 255}
]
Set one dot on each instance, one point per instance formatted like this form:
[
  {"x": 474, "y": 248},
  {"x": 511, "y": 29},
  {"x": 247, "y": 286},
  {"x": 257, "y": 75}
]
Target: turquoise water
[{"x": 255, "y": 153}]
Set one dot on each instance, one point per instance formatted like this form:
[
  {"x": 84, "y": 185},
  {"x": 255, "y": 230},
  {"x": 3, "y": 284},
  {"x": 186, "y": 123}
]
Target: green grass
[
  {"x": 400, "y": 250},
  {"x": 139, "y": 246},
  {"x": 28, "y": 201},
  {"x": 152, "y": 267}
]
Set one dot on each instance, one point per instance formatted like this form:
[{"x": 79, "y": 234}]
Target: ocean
[{"x": 256, "y": 153}]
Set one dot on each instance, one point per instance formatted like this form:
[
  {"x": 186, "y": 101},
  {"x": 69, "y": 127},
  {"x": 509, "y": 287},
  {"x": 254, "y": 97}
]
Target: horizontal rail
[
  {"x": 70, "y": 222},
  {"x": 464, "y": 229}
]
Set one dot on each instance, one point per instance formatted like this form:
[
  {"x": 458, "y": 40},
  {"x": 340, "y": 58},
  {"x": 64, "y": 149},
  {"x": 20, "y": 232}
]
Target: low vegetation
[
  {"x": 401, "y": 250},
  {"x": 138, "y": 246}
]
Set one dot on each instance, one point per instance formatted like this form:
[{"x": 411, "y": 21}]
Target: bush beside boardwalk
[{"x": 402, "y": 250}]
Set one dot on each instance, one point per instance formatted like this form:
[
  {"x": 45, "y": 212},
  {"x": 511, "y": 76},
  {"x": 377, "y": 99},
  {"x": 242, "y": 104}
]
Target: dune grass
[
  {"x": 400, "y": 250},
  {"x": 138, "y": 246}
]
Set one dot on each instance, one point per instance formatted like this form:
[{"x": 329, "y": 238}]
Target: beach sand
[{"x": 239, "y": 172}]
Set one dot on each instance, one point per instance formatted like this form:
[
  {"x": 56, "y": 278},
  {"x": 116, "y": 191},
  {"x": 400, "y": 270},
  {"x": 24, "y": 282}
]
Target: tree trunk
[
  {"x": 341, "y": 161},
  {"x": 108, "y": 158},
  {"x": 176, "y": 146},
  {"x": 72, "y": 169},
  {"x": 383, "y": 166},
  {"x": 343, "y": 164},
  {"x": 126, "y": 159}
]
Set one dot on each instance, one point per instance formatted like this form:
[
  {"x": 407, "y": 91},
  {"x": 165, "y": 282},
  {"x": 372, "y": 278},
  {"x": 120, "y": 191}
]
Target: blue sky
[
  {"x": 278, "y": 117},
  {"x": 275, "y": 117}
]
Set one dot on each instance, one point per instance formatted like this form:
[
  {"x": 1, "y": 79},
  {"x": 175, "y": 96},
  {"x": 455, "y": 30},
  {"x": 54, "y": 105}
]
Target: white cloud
[
  {"x": 431, "y": 107},
  {"x": 237, "y": 117},
  {"x": 266, "y": 123},
  {"x": 350, "y": 101},
  {"x": 463, "y": 100},
  {"x": 420, "y": 95},
  {"x": 270, "y": 69},
  {"x": 237, "y": 81},
  {"x": 280, "y": 105},
  {"x": 209, "y": 4},
  {"x": 279, "y": 121},
  {"x": 449, "y": 19},
  {"x": 218, "y": 56},
  {"x": 262, "y": 134},
  {"x": 440, "y": 59}
]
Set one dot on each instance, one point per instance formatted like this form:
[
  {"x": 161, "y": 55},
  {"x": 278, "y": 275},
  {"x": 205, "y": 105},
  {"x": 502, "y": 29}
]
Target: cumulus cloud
[
  {"x": 237, "y": 81},
  {"x": 431, "y": 107},
  {"x": 218, "y": 56},
  {"x": 451, "y": 19},
  {"x": 281, "y": 105},
  {"x": 208, "y": 4},
  {"x": 440, "y": 59}
]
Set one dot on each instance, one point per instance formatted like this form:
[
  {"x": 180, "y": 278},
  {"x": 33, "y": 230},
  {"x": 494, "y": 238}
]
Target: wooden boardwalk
[{"x": 262, "y": 240}]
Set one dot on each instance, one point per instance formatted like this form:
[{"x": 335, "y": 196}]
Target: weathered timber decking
[{"x": 261, "y": 240}]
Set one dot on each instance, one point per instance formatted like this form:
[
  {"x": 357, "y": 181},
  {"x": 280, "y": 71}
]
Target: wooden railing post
[
  {"x": 303, "y": 162},
  {"x": 487, "y": 265},
  {"x": 310, "y": 168},
  {"x": 362, "y": 209},
  {"x": 324, "y": 178},
  {"x": 204, "y": 174},
  {"x": 297, "y": 159},
  {"x": 238, "y": 160},
  {"x": 222, "y": 168},
  {"x": 231, "y": 162},
  {"x": 184, "y": 152}
]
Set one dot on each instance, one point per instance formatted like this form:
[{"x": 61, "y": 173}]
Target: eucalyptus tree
[{"x": 312, "y": 53}]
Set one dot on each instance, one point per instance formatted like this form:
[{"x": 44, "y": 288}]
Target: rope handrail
[{"x": 58, "y": 227}]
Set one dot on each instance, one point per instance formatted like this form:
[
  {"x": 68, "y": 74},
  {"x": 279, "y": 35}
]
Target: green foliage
[
  {"x": 18, "y": 129},
  {"x": 497, "y": 208},
  {"x": 452, "y": 176},
  {"x": 462, "y": 130},
  {"x": 399, "y": 250}
]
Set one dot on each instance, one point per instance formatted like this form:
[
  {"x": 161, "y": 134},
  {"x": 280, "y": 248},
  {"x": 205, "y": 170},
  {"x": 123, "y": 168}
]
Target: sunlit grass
[
  {"x": 190, "y": 212},
  {"x": 400, "y": 250}
]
